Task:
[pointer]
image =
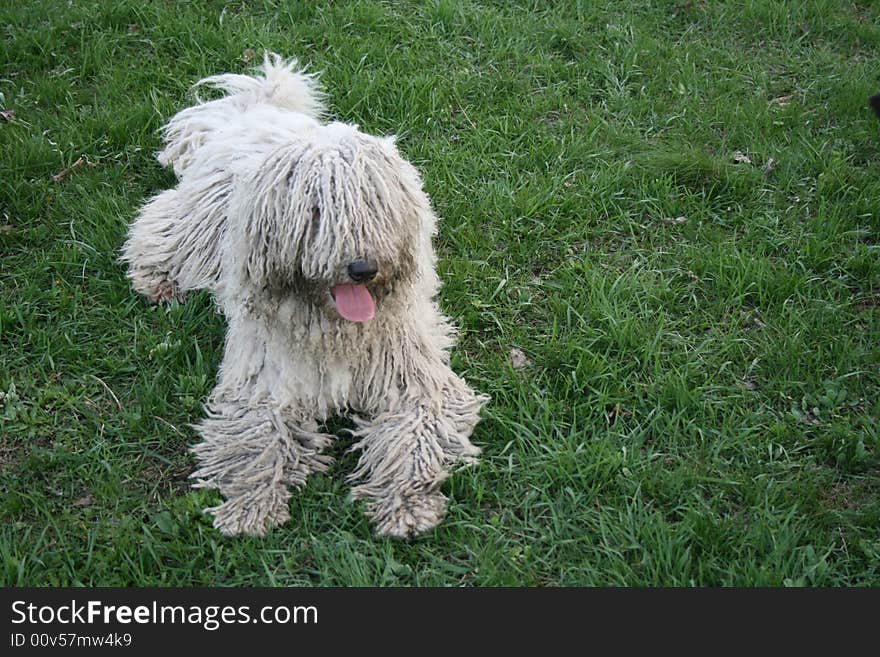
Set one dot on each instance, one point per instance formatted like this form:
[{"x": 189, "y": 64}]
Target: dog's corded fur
[{"x": 279, "y": 214}]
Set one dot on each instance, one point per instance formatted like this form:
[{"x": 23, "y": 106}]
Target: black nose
[{"x": 361, "y": 271}]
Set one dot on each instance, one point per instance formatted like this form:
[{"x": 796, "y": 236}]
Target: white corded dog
[{"x": 315, "y": 238}]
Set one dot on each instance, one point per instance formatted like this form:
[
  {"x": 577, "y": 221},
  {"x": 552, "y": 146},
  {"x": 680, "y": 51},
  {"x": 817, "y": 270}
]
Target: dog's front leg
[
  {"x": 174, "y": 243},
  {"x": 252, "y": 453},
  {"x": 407, "y": 451}
]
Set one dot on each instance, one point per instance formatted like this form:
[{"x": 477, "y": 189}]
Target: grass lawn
[{"x": 659, "y": 237}]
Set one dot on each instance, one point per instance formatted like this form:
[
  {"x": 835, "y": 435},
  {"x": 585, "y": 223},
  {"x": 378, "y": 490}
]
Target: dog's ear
[{"x": 874, "y": 102}]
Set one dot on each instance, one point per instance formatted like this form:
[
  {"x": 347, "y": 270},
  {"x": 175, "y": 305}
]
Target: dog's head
[{"x": 338, "y": 218}]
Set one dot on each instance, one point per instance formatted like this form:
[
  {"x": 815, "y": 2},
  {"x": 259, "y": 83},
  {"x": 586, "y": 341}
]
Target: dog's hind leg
[
  {"x": 174, "y": 243},
  {"x": 406, "y": 453},
  {"x": 252, "y": 454}
]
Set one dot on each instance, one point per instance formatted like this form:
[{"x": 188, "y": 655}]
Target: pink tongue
[{"x": 354, "y": 302}]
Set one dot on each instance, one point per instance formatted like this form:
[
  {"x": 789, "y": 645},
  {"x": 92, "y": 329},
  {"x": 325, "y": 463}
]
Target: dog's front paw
[
  {"x": 157, "y": 289},
  {"x": 252, "y": 513},
  {"x": 165, "y": 290},
  {"x": 403, "y": 515}
]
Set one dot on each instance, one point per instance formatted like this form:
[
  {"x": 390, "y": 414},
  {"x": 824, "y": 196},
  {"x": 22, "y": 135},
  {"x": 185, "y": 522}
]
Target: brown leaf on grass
[
  {"x": 782, "y": 101},
  {"x": 615, "y": 412},
  {"x": 5, "y": 229},
  {"x": 741, "y": 158},
  {"x": 61, "y": 175},
  {"x": 518, "y": 359},
  {"x": 768, "y": 168},
  {"x": 247, "y": 55},
  {"x": 7, "y": 115},
  {"x": 85, "y": 500}
]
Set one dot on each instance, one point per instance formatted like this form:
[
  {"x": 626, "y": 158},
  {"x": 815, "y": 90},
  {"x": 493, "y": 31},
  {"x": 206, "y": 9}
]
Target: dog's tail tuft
[{"x": 283, "y": 83}]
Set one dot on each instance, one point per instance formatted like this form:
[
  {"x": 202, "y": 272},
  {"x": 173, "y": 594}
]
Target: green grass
[{"x": 701, "y": 396}]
